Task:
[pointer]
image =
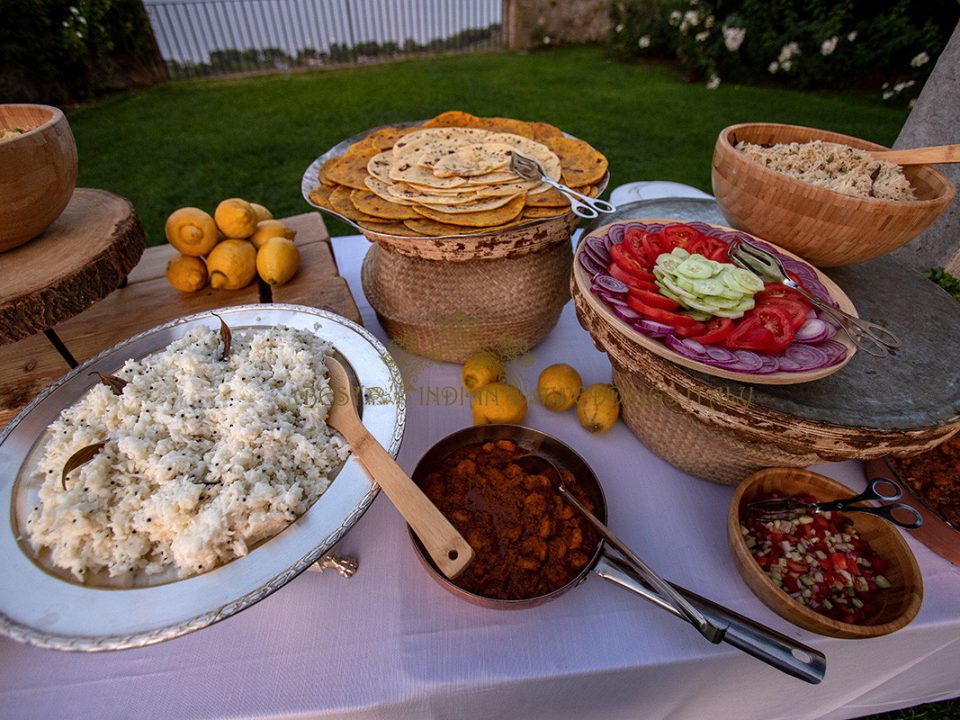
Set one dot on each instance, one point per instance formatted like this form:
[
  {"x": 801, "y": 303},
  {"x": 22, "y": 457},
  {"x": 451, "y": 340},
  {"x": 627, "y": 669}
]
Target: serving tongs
[
  {"x": 582, "y": 206},
  {"x": 877, "y": 489},
  {"x": 714, "y": 621},
  {"x": 867, "y": 336}
]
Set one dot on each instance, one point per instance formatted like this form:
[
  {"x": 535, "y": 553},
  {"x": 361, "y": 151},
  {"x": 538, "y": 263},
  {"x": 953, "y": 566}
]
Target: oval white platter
[{"x": 44, "y": 607}]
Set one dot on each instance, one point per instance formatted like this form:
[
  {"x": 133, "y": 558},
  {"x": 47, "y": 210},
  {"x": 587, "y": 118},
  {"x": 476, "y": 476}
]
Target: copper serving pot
[{"x": 771, "y": 647}]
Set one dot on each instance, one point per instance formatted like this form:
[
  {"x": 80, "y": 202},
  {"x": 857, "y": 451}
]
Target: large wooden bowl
[
  {"x": 903, "y": 598},
  {"x": 822, "y": 226},
  {"x": 38, "y": 171}
]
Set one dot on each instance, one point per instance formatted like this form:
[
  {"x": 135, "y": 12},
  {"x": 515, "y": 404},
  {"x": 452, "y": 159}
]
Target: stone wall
[
  {"x": 934, "y": 122},
  {"x": 529, "y": 24}
]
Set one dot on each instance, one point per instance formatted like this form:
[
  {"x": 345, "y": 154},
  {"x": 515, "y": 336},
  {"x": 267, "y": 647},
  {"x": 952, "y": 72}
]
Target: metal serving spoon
[
  {"x": 537, "y": 465},
  {"x": 582, "y": 206},
  {"x": 449, "y": 550}
]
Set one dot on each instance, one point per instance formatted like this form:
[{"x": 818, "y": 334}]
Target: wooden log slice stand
[
  {"x": 722, "y": 430},
  {"x": 81, "y": 258}
]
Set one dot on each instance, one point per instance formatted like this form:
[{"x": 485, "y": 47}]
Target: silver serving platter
[
  {"x": 45, "y": 607},
  {"x": 310, "y": 180}
]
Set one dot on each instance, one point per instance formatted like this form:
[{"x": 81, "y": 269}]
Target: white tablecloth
[{"x": 391, "y": 643}]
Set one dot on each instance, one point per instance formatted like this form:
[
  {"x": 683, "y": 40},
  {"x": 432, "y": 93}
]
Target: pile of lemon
[
  {"x": 230, "y": 248},
  {"x": 559, "y": 388}
]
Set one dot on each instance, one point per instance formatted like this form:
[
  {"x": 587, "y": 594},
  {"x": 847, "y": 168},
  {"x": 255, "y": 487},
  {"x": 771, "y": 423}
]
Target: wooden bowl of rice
[{"x": 839, "y": 220}]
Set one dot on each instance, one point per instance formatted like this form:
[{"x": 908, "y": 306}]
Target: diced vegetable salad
[{"x": 821, "y": 561}]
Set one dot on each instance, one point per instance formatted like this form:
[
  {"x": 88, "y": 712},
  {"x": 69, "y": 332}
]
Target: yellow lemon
[
  {"x": 558, "y": 387},
  {"x": 598, "y": 407},
  {"x": 191, "y": 231},
  {"x": 267, "y": 229},
  {"x": 232, "y": 264},
  {"x": 187, "y": 273},
  {"x": 236, "y": 218},
  {"x": 262, "y": 212},
  {"x": 498, "y": 402},
  {"x": 481, "y": 368},
  {"x": 278, "y": 260}
]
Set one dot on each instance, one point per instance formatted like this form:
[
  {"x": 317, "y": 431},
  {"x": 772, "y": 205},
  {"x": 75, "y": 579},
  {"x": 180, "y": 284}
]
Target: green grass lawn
[{"x": 197, "y": 142}]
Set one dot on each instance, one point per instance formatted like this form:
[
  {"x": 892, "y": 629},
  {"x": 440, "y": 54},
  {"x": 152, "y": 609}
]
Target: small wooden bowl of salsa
[{"x": 858, "y": 549}]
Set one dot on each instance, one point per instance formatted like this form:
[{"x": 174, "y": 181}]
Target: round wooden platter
[
  {"x": 81, "y": 258},
  {"x": 582, "y": 278}
]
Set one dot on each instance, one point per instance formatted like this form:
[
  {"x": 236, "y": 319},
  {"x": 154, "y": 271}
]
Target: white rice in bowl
[
  {"x": 840, "y": 168},
  {"x": 203, "y": 457}
]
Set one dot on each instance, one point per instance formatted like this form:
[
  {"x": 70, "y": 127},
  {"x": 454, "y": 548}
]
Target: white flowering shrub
[{"x": 801, "y": 43}]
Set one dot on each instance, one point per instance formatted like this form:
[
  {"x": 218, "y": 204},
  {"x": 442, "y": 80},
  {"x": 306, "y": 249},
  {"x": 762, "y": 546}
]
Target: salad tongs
[{"x": 867, "y": 336}]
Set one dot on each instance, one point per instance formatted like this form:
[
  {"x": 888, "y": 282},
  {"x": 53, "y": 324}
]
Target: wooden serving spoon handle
[
  {"x": 920, "y": 156},
  {"x": 449, "y": 550}
]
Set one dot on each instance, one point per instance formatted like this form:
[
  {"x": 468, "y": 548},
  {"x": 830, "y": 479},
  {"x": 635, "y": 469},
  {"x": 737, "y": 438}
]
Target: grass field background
[{"x": 198, "y": 142}]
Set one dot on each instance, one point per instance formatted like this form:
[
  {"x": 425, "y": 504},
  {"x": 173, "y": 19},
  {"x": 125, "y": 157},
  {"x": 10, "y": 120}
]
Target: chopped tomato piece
[
  {"x": 779, "y": 290},
  {"x": 659, "y": 315},
  {"x": 626, "y": 261},
  {"x": 716, "y": 330},
  {"x": 655, "y": 299},
  {"x": 632, "y": 280},
  {"x": 693, "y": 331},
  {"x": 679, "y": 235},
  {"x": 798, "y": 311}
]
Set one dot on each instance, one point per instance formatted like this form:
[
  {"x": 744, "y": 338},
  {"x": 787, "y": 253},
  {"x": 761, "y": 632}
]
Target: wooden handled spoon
[
  {"x": 920, "y": 156},
  {"x": 446, "y": 546}
]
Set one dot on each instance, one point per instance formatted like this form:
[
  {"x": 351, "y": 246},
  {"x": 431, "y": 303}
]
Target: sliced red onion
[
  {"x": 612, "y": 299},
  {"x": 770, "y": 365},
  {"x": 615, "y": 234},
  {"x": 719, "y": 355},
  {"x": 689, "y": 349},
  {"x": 602, "y": 259},
  {"x": 591, "y": 265},
  {"x": 626, "y": 313},
  {"x": 834, "y": 350},
  {"x": 801, "y": 358},
  {"x": 610, "y": 283},
  {"x": 813, "y": 331},
  {"x": 654, "y": 329},
  {"x": 598, "y": 249},
  {"x": 608, "y": 297}
]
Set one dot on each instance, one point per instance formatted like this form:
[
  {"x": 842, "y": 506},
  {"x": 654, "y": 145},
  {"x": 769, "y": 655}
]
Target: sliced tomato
[
  {"x": 779, "y": 290},
  {"x": 766, "y": 328},
  {"x": 798, "y": 311},
  {"x": 716, "y": 330},
  {"x": 643, "y": 283},
  {"x": 659, "y": 315},
  {"x": 627, "y": 262},
  {"x": 693, "y": 331},
  {"x": 699, "y": 246},
  {"x": 679, "y": 235},
  {"x": 654, "y": 299}
]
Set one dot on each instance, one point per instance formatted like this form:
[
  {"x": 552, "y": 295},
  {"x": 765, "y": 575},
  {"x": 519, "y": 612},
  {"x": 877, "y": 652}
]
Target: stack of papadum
[{"x": 451, "y": 176}]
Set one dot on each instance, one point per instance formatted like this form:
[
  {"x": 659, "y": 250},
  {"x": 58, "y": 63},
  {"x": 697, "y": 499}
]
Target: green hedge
[
  {"x": 889, "y": 45},
  {"x": 62, "y": 51}
]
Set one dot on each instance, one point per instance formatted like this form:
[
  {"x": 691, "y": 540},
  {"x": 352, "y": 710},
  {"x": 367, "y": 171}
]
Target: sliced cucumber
[{"x": 696, "y": 267}]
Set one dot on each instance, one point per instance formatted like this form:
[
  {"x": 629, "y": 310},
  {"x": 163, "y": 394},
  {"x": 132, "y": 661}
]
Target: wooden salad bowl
[
  {"x": 822, "y": 226},
  {"x": 903, "y": 598},
  {"x": 38, "y": 171}
]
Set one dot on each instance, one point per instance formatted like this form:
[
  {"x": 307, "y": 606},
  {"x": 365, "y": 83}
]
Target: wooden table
[{"x": 27, "y": 366}]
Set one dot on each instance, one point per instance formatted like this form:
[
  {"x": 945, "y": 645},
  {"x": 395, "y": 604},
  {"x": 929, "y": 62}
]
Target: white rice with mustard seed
[
  {"x": 203, "y": 458},
  {"x": 840, "y": 168}
]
